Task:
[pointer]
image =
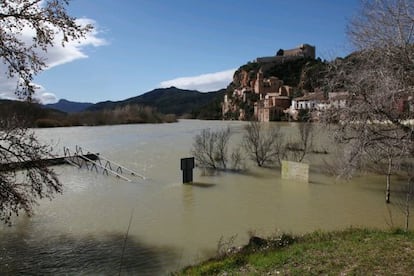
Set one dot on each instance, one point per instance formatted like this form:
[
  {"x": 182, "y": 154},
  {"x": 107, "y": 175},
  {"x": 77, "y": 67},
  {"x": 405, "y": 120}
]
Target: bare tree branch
[
  {"x": 46, "y": 20},
  {"x": 375, "y": 124}
]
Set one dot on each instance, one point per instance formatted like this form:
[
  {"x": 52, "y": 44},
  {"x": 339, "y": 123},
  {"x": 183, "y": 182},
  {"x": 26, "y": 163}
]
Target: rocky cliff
[
  {"x": 299, "y": 76},
  {"x": 304, "y": 74}
]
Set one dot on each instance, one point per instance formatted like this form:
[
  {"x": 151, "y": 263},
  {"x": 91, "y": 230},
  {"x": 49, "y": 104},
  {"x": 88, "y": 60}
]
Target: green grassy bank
[{"x": 348, "y": 252}]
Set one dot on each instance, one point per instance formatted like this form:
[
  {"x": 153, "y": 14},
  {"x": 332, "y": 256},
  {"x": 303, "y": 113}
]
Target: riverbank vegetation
[
  {"x": 183, "y": 103},
  {"x": 351, "y": 251},
  {"x": 129, "y": 114},
  {"x": 33, "y": 115},
  {"x": 265, "y": 145}
]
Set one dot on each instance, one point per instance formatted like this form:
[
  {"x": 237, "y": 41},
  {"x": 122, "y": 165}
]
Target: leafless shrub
[
  {"x": 210, "y": 148},
  {"x": 225, "y": 246},
  {"x": 338, "y": 164},
  {"x": 262, "y": 145},
  {"x": 297, "y": 150},
  {"x": 237, "y": 160}
]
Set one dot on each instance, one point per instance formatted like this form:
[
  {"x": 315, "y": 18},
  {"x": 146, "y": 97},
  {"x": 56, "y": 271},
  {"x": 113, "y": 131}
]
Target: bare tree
[
  {"x": 385, "y": 157},
  {"x": 223, "y": 137},
  {"x": 379, "y": 77},
  {"x": 210, "y": 148},
  {"x": 261, "y": 144},
  {"x": 404, "y": 201},
  {"x": 297, "y": 150},
  {"x": 409, "y": 192},
  {"x": 21, "y": 187},
  {"x": 49, "y": 23},
  {"x": 47, "y": 20},
  {"x": 237, "y": 159}
]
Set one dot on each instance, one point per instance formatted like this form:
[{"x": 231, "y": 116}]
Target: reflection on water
[
  {"x": 173, "y": 225},
  {"x": 66, "y": 254}
]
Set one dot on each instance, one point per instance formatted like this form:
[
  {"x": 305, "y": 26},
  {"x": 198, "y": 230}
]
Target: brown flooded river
[{"x": 82, "y": 231}]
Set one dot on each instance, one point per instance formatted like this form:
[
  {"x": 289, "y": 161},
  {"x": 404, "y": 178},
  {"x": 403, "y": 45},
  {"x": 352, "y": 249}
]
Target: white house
[{"x": 309, "y": 101}]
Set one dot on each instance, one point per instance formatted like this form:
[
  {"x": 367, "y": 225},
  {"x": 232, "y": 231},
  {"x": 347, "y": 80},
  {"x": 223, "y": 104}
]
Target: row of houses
[
  {"x": 317, "y": 101},
  {"x": 272, "y": 100},
  {"x": 273, "y": 107}
]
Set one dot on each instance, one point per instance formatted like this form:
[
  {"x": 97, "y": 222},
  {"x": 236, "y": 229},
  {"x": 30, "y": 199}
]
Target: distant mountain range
[
  {"x": 165, "y": 105},
  {"x": 68, "y": 106},
  {"x": 172, "y": 100}
]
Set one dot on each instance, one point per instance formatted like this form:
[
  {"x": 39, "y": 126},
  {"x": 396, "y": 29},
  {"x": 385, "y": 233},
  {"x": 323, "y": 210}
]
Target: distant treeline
[
  {"x": 181, "y": 102},
  {"x": 33, "y": 115}
]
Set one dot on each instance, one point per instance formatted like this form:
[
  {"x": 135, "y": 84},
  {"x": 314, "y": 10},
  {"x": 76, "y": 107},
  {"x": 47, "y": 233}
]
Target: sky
[{"x": 140, "y": 45}]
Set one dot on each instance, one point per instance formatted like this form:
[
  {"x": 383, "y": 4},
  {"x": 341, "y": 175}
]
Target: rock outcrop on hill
[
  {"x": 264, "y": 88},
  {"x": 69, "y": 106}
]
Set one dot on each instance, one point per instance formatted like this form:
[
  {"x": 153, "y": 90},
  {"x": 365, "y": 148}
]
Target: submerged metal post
[{"x": 187, "y": 166}]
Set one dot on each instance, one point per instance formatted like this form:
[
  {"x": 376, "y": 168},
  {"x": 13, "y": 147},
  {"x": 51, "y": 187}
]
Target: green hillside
[{"x": 169, "y": 101}]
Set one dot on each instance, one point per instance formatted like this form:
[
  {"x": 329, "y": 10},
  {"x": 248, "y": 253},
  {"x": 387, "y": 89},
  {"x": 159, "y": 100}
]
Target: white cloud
[
  {"x": 55, "y": 56},
  {"x": 73, "y": 50},
  {"x": 8, "y": 87},
  {"x": 204, "y": 82},
  {"x": 44, "y": 97}
]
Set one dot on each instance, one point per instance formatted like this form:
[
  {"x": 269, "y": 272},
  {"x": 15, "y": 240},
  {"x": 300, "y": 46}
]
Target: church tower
[{"x": 258, "y": 85}]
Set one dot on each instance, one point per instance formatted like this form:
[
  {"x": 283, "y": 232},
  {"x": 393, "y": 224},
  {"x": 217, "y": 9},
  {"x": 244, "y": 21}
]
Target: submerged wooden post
[{"x": 187, "y": 166}]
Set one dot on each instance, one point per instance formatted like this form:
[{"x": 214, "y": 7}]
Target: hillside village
[
  {"x": 259, "y": 93},
  {"x": 270, "y": 98}
]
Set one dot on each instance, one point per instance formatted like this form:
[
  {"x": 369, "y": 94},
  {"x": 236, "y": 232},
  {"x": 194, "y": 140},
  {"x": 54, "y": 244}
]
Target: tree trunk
[
  {"x": 407, "y": 210},
  {"x": 388, "y": 189}
]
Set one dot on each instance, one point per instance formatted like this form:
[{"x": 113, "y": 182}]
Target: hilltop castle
[
  {"x": 302, "y": 51},
  {"x": 268, "y": 97}
]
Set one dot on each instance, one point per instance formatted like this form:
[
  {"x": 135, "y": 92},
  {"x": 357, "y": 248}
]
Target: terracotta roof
[{"x": 318, "y": 96}]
